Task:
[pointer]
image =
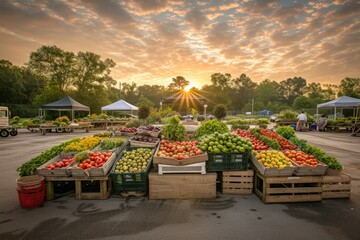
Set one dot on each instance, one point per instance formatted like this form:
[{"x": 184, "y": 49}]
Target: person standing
[
  {"x": 322, "y": 123},
  {"x": 302, "y": 119}
]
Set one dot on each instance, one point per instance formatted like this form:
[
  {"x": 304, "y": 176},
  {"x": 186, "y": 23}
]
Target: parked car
[
  {"x": 202, "y": 118},
  {"x": 188, "y": 117}
]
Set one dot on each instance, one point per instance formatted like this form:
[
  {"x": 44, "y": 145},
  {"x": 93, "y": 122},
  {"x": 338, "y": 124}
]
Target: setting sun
[{"x": 188, "y": 87}]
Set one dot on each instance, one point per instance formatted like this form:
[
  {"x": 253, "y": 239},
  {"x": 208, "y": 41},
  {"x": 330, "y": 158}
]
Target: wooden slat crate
[
  {"x": 238, "y": 182},
  {"x": 94, "y": 188},
  {"x": 336, "y": 186},
  {"x": 288, "y": 189},
  {"x": 182, "y": 186}
]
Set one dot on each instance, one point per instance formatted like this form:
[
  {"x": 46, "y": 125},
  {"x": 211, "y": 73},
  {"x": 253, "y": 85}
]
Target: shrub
[
  {"x": 239, "y": 126},
  {"x": 16, "y": 118},
  {"x": 143, "y": 112},
  {"x": 133, "y": 123},
  {"x": 220, "y": 111},
  {"x": 63, "y": 119}
]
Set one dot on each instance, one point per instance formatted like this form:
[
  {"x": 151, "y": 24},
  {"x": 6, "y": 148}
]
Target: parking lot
[{"x": 226, "y": 217}]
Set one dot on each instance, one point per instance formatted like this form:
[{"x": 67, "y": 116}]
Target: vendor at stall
[{"x": 321, "y": 124}]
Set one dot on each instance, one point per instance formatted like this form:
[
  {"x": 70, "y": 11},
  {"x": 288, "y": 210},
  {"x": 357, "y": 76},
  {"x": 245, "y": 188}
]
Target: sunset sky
[{"x": 153, "y": 41}]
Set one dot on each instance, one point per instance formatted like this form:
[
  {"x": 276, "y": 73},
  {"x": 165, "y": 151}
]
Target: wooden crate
[
  {"x": 271, "y": 172},
  {"x": 288, "y": 189},
  {"x": 94, "y": 188},
  {"x": 238, "y": 182},
  {"x": 58, "y": 188},
  {"x": 336, "y": 186},
  {"x": 100, "y": 187},
  {"x": 172, "y": 161},
  {"x": 182, "y": 186}
]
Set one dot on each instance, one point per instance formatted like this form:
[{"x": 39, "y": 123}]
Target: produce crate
[
  {"x": 59, "y": 188},
  {"x": 150, "y": 133},
  {"x": 318, "y": 170},
  {"x": 42, "y": 170},
  {"x": 333, "y": 172},
  {"x": 172, "y": 161},
  {"x": 271, "y": 172},
  {"x": 130, "y": 182},
  {"x": 114, "y": 150},
  {"x": 238, "y": 182},
  {"x": 134, "y": 143},
  {"x": 336, "y": 186},
  {"x": 288, "y": 189},
  {"x": 93, "y": 172},
  {"x": 182, "y": 186},
  {"x": 93, "y": 188},
  {"x": 228, "y": 161},
  {"x": 191, "y": 168}
]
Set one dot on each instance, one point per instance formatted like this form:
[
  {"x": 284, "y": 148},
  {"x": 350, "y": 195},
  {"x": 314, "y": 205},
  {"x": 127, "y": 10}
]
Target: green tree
[
  {"x": 302, "y": 102},
  {"x": 220, "y": 111},
  {"x": 130, "y": 92},
  {"x": 291, "y": 88},
  {"x": 266, "y": 92},
  {"x": 57, "y": 65},
  {"x": 145, "y": 102},
  {"x": 244, "y": 90},
  {"x": 12, "y": 88},
  {"x": 179, "y": 83},
  {"x": 350, "y": 87},
  {"x": 221, "y": 80}
]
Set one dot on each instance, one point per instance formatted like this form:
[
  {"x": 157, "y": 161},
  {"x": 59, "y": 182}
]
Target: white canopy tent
[
  {"x": 120, "y": 105},
  {"x": 340, "y": 103}
]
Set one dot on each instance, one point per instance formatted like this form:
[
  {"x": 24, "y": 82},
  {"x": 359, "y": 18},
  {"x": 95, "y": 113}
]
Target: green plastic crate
[
  {"x": 130, "y": 182},
  {"x": 228, "y": 161}
]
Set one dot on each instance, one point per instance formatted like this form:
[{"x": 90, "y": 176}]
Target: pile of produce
[
  {"x": 135, "y": 160},
  {"x": 210, "y": 127},
  {"x": 85, "y": 143},
  {"x": 30, "y": 167},
  {"x": 302, "y": 158},
  {"x": 272, "y": 158},
  {"x": 257, "y": 144},
  {"x": 174, "y": 131},
  {"x": 178, "y": 150},
  {"x": 128, "y": 130},
  {"x": 93, "y": 160},
  {"x": 65, "y": 162},
  {"x": 111, "y": 143},
  {"x": 284, "y": 144},
  {"x": 141, "y": 138},
  {"x": 225, "y": 143},
  {"x": 286, "y": 132},
  {"x": 150, "y": 128}
]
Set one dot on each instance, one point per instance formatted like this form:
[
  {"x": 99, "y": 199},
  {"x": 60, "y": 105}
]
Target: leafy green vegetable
[
  {"x": 111, "y": 143},
  {"x": 174, "y": 131},
  {"x": 286, "y": 132},
  {"x": 29, "y": 167},
  {"x": 270, "y": 142},
  {"x": 211, "y": 126}
]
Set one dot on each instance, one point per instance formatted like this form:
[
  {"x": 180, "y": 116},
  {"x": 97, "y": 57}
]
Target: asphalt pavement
[{"x": 226, "y": 217}]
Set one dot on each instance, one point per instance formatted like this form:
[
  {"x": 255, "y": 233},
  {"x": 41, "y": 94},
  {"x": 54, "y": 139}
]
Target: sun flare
[{"x": 188, "y": 87}]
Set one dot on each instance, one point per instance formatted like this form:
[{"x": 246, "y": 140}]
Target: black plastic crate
[
  {"x": 89, "y": 186},
  {"x": 130, "y": 182},
  {"x": 228, "y": 161},
  {"x": 63, "y": 187}
]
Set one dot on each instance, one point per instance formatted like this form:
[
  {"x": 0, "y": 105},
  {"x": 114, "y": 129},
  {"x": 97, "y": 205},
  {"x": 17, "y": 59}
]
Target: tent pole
[{"x": 335, "y": 114}]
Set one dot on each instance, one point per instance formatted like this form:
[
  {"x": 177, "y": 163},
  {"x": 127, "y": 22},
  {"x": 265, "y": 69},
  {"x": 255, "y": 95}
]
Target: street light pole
[{"x": 205, "y": 106}]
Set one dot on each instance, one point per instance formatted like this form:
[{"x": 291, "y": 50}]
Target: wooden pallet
[
  {"x": 336, "y": 186},
  {"x": 288, "y": 189},
  {"x": 238, "y": 182},
  {"x": 182, "y": 186},
  {"x": 94, "y": 188}
]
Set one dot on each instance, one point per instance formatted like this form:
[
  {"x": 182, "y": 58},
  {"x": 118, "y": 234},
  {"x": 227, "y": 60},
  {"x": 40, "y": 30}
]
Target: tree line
[{"x": 52, "y": 73}]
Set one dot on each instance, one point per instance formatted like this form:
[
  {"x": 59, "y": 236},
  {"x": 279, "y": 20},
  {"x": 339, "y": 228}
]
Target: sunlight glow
[{"x": 188, "y": 87}]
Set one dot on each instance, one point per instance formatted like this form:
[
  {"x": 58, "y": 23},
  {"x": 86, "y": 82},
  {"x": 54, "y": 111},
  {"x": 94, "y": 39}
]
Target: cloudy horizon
[{"x": 153, "y": 41}]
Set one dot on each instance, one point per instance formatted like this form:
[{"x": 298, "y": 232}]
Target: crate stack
[
  {"x": 181, "y": 179},
  {"x": 298, "y": 183},
  {"x": 234, "y": 175},
  {"x": 135, "y": 183},
  {"x": 94, "y": 183}
]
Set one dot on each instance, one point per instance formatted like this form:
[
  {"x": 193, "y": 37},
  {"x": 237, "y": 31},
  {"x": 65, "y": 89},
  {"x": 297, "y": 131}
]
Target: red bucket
[{"x": 31, "y": 199}]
